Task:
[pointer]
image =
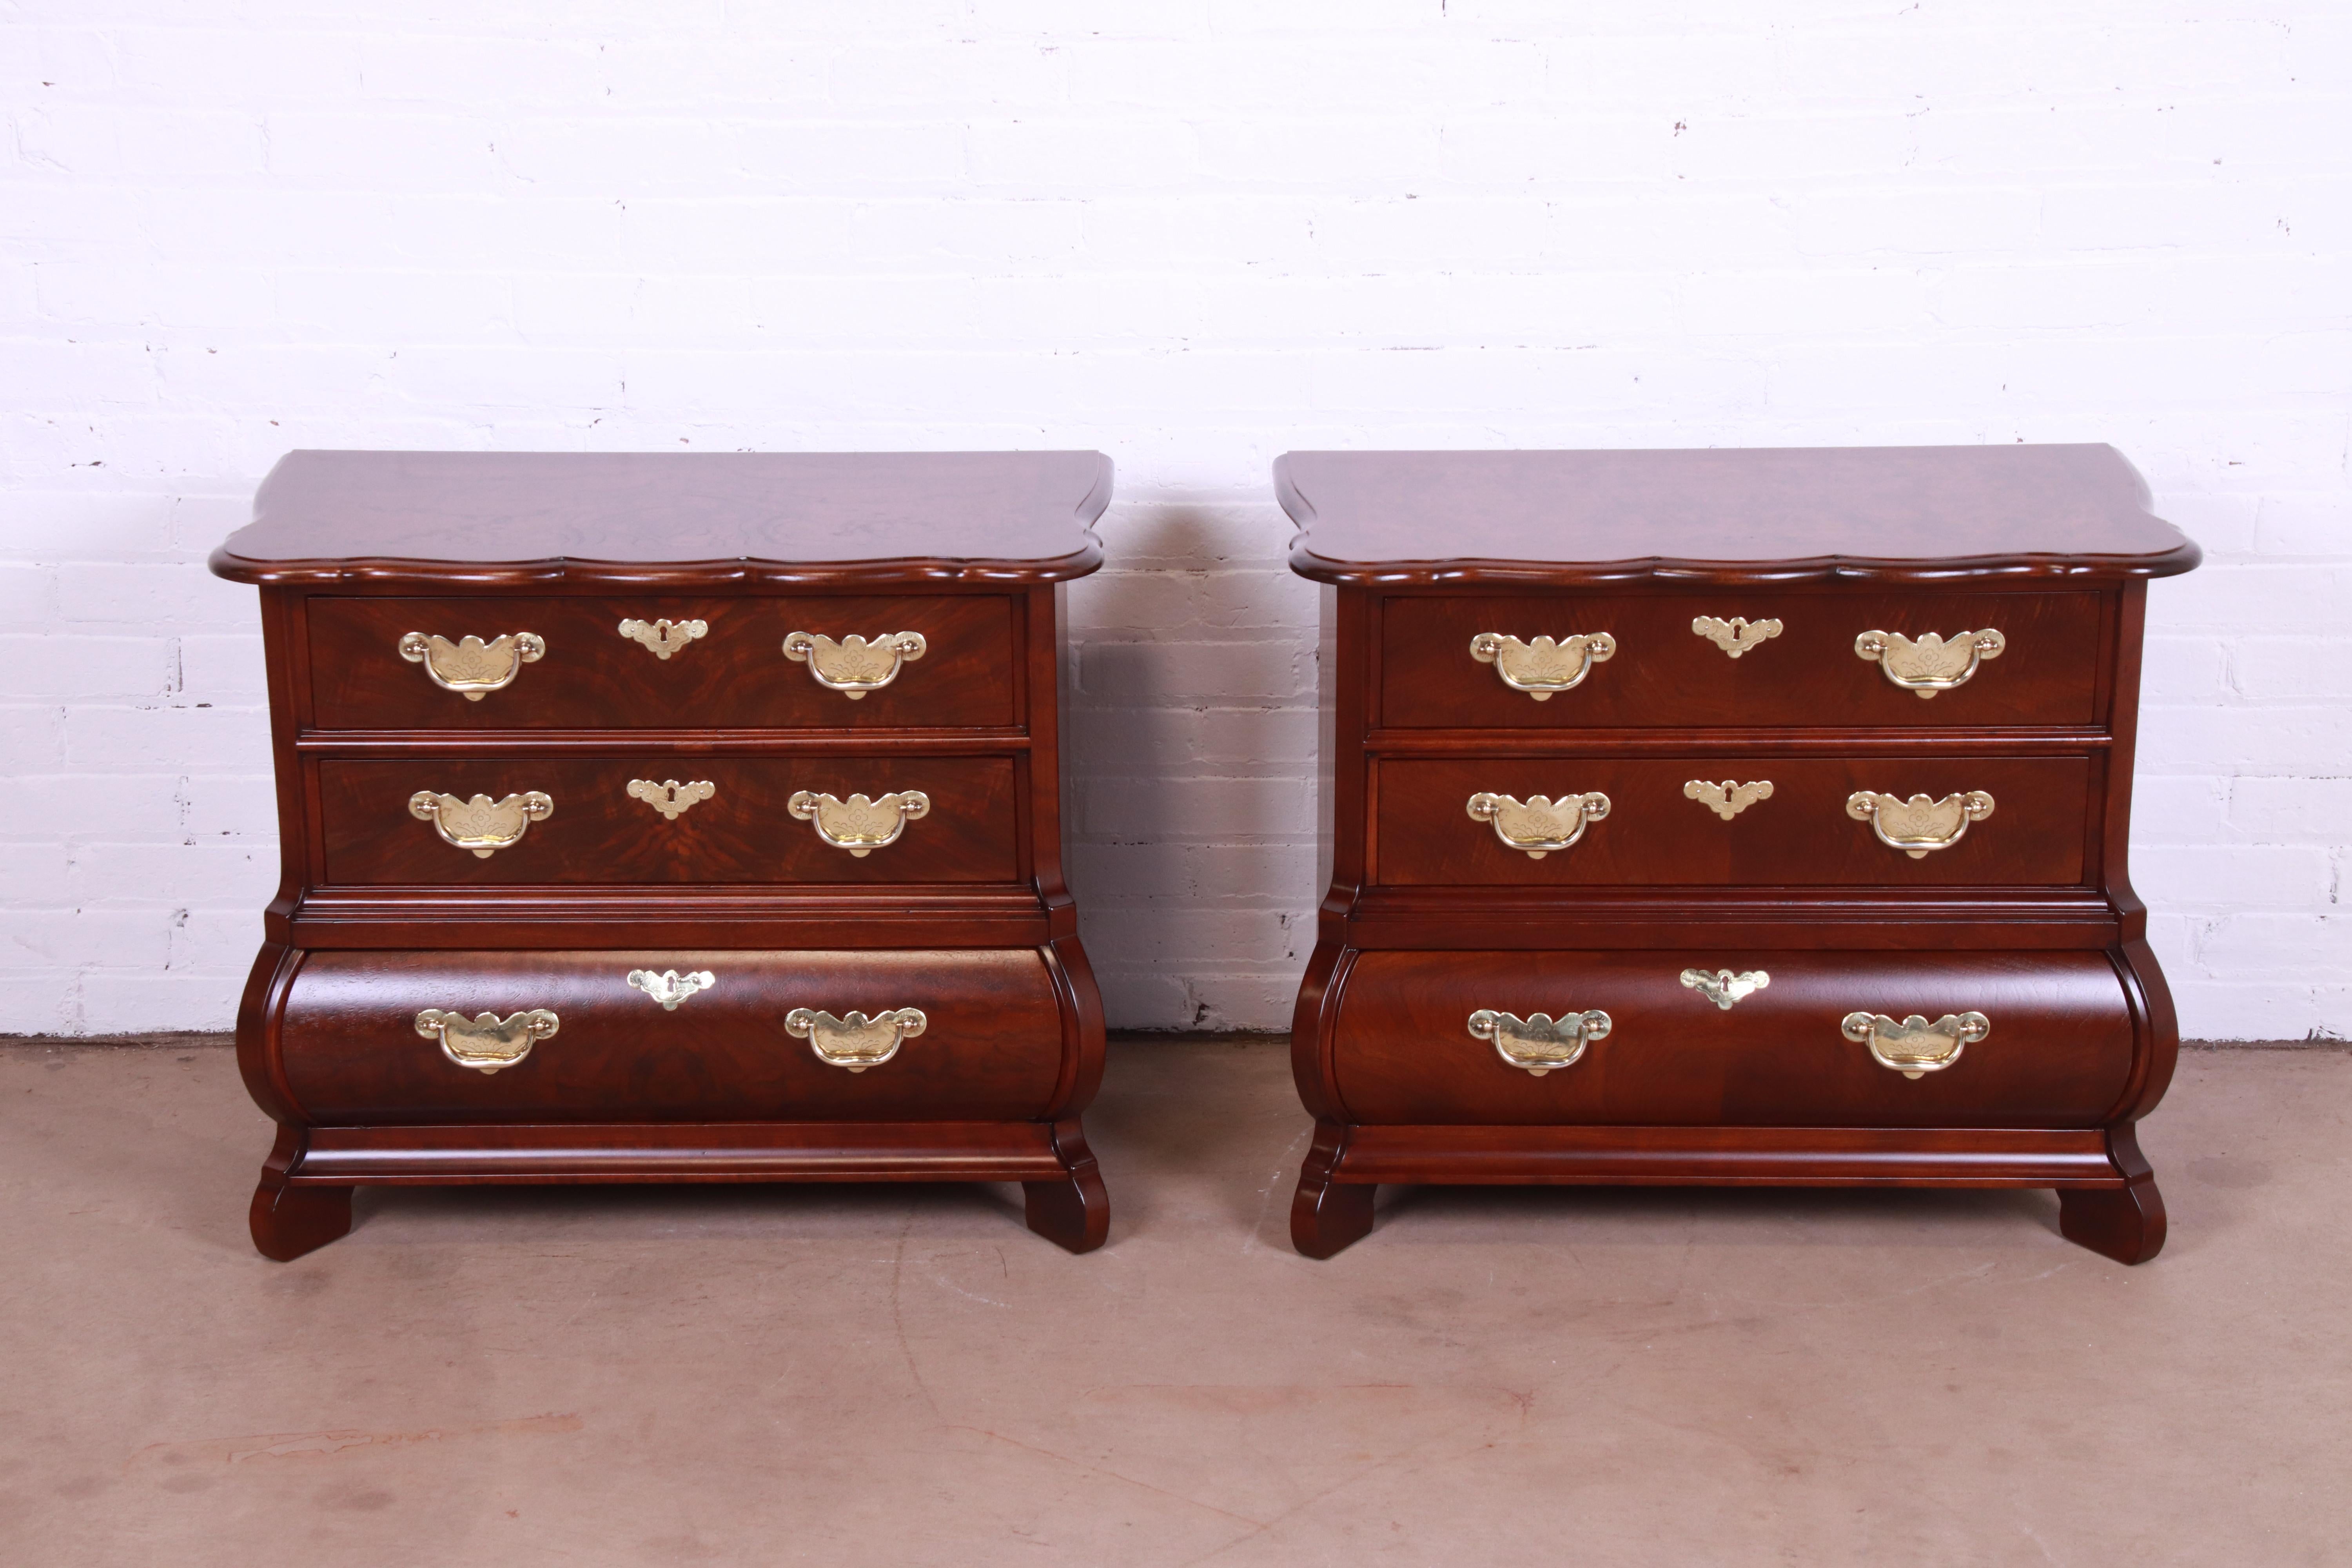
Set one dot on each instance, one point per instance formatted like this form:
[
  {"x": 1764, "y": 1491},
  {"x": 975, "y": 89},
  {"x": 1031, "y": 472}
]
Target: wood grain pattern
[
  {"x": 1726, "y": 516},
  {"x": 2068, "y": 1160},
  {"x": 1800, "y": 837},
  {"x": 1326, "y": 1213},
  {"x": 992, "y": 1051},
  {"x": 1663, "y": 674},
  {"x": 524, "y": 1153},
  {"x": 2059, "y": 1055},
  {"x": 1427, "y": 916},
  {"x": 970, "y": 906},
  {"x": 671, "y": 520},
  {"x": 734, "y": 676},
  {"x": 2127, "y": 1222},
  {"x": 286, "y": 1220},
  {"x": 1071, "y": 1209},
  {"x": 599, "y": 834}
]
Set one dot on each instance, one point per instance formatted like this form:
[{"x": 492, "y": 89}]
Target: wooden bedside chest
[
  {"x": 1731, "y": 816},
  {"x": 669, "y": 818}
]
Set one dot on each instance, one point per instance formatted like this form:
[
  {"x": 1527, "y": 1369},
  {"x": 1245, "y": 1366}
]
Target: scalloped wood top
[
  {"x": 1723, "y": 515},
  {"x": 672, "y": 519}
]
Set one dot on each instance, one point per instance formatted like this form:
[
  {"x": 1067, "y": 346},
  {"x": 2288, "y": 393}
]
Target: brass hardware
[
  {"x": 481, "y": 825},
  {"x": 1736, "y": 636},
  {"x": 485, "y": 1042},
  {"x": 1915, "y": 1046},
  {"x": 853, "y": 665},
  {"x": 1723, "y": 988},
  {"x": 669, "y": 987},
  {"x": 1543, "y": 667},
  {"x": 670, "y": 797},
  {"x": 1542, "y": 825},
  {"x": 1919, "y": 825},
  {"x": 1536, "y": 1044},
  {"x": 857, "y": 1042},
  {"x": 1931, "y": 664},
  {"x": 1728, "y": 799},
  {"x": 471, "y": 666},
  {"x": 858, "y": 824},
  {"x": 663, "y": 638}
]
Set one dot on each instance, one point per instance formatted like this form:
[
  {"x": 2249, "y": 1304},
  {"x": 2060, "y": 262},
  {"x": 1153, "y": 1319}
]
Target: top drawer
[
  {"x": 1661, "y": 666},
  {"x": 577, "y": 667}
]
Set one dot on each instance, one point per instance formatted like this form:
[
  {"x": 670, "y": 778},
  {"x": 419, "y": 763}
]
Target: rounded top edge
[
  {"x": 1471, "y": 572},
  {"x": 739, "y": 575}
]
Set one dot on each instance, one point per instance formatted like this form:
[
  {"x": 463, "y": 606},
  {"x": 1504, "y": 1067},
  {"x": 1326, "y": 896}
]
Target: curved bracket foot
[
  {"x": 288, "y": 1221},
  {"x": 2126, "y": 1223},
  {"x": 1327, "y": 1215},
  {"x": 291, "y": 1221},
  {"x": 1074, "y": 1213}
]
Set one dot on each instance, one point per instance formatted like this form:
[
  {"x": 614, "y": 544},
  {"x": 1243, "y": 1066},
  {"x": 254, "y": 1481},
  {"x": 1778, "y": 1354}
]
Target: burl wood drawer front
[
  {"x": 2055, "y": 1050},
  {"x": 584, "y": 673},
  {"x": 596, "y": 830},
  {"x": 988, "y": 1047},
  {"x": 1661, "y": 673},
  {"x": 1801, "y": 835}
]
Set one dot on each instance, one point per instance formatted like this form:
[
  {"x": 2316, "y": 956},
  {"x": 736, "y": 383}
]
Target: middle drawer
[
  {"x": 1986, "y": 821},
  {"x": 618, "y": 819}
]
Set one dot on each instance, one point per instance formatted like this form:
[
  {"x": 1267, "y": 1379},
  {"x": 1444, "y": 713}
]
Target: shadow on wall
[{"x": 1189, "y": 754}]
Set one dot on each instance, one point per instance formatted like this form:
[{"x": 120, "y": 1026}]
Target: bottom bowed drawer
[
  {"x": 1759, "y": 1039},
  {"x": 406, "y": 1037}
]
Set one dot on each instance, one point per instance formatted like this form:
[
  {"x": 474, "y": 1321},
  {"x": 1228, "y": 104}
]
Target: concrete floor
[{"x": 905, "y": 1376}]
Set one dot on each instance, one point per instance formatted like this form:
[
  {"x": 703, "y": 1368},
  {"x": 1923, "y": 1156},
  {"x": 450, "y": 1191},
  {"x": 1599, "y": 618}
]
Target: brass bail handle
[
  {"x": 1913, "y": 1045},
  {"x": 485, "y": 1042},
  {"x": 1930, "y": 663},
  {"x": 856, "y": 1041},
  {"x": 1540, "y": 825},
  {"x": 1543, "y": 667},
  {"x": 859, "y": 825},
  {"x": 471, "y": 666},
  {"x": 855, "y": 664},
  {"x": 1538, "y": 1043},
  {"x": 481, "y": 825},
  {"x": 1921, "y": 825}
]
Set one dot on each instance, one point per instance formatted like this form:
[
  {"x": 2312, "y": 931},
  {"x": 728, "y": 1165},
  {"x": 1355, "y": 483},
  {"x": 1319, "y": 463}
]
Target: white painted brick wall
[{"x": 1194, "y": 235}]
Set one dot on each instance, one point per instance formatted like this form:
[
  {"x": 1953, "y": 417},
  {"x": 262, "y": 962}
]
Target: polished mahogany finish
[
  {"x": 734, "y": 675},
  {"x": 1955, "y": 516},
  {"x": 425, "y": 522},
  {"x": 381, "y": 925},
  {"x": 1682, "y": 679},
  {"x": 2022, "y": 914},
  {"x": 991, "y": 1048},
  {"x": 2061, "y": 1057},
  {"x": 1801, "y": 836},
  {"x": 598, "y": 832}
]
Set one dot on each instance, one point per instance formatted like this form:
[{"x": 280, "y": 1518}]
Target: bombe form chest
[
  {"x": 1730, "y": 816},
  {"x": 628, "y": 796}
]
